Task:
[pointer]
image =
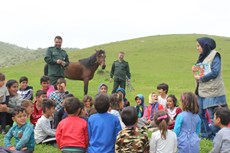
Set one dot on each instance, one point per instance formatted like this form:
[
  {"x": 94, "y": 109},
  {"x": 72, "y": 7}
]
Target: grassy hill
[
  {"x": 13, "y": 55},
  {"x": 152, "y": 60}
]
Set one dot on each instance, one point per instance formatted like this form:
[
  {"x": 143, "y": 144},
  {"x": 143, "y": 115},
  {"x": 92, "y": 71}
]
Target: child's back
[
  {"x": 188, "y": 124},
  {"x": 65, "y": 130},
  {"x": 187, "y": 128},
  {"x": 72, "y": 132},
  {"x": 163, "y": 140},
  {"x": 43, "y": 129},
  {"x": 103, "y": 130},
  {"x": 131, "y": 139},
  {"x": 157, "y": 144},
  {"x": 102, "y": 127}
]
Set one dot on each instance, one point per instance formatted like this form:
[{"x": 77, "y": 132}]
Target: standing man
[
  {"x": 120, "y": 70},
  {"x": 56, "y": 59}
]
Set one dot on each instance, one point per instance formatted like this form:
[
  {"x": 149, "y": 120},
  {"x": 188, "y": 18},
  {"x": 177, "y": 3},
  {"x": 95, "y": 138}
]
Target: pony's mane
[{"x": 90, "y": 61}]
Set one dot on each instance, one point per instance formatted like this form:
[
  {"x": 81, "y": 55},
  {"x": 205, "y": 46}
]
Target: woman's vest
[{"x": 214, "y": 87}]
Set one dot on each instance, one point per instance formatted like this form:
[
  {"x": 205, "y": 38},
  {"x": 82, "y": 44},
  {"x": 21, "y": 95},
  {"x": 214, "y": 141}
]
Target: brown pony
[{"x": 84, "y": 69}]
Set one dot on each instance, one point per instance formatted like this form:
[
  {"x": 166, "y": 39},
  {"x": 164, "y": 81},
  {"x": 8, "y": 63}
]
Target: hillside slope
[
  {"x": 12, "y": 54},
  {"x": 153, "y": 60}
]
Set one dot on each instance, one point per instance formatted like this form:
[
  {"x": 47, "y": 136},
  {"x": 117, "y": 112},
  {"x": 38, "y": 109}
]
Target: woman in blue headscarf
[{"x": 210, "y": 86}]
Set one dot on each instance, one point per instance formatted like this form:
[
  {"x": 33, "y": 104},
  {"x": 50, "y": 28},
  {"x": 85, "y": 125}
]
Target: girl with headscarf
[{"x": 210, "y": 86}]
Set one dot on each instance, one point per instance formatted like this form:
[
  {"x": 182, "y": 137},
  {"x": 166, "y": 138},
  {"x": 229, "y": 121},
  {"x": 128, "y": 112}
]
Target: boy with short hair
[
  {"x": 43, "y": 130},
  {"x": 102, "y": 127},
  {"x": 57, "y": 97},
  {"x": 22, "y": 132},
  {"x": 37, "y": 113},
  {"x": 131, "y": 139},
  {"x": 72, "y": 124},
  {"x": 163, "y": 91},
  {"x": 4, "y": 99},
  {"x": 25, "y": 91},
  {"x": 45, "y": 83},
  {"x": 221, "y": 141}
]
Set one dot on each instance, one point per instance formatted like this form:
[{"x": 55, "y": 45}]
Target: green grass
[{"x": 152, "y": 60}]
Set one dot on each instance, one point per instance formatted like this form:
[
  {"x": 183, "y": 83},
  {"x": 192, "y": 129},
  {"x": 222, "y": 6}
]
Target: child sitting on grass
[
  {"x": 4, "y": 99},
  {"x": 37, "y": 113},
  {"x": 150, "y": 111},
  {"x": 116, "y": 105},
  {"x": 45, "y": 84},
  {"x": 29, "y": 108},
  {"x": 103, "y": 88},
  {"x": 221, "y": 141},
  {"x": 131, "y": 138},
  {"x": 22, "y": 132},
  {"x": 140, "y": 107},
  {"x": 72, "y": 124},
  {"x": 42, "y": 131},
  {"x": 88, "y": 104},
  {"x": 162, "y": 89},
  {"x": 121, "y": 91},
  {"x": 172, "y": 110},
  {"x": 57, "y": 96},
  {"x": 102, "y": 127},
  {"x": 163, "y": 140},
  {"x": 25, "y": 91}
]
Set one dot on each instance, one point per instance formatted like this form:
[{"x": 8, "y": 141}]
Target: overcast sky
[{"x": 84, "y": 23}]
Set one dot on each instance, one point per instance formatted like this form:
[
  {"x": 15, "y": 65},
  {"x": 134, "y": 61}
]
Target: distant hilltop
[{"x": 12, "y": 54}]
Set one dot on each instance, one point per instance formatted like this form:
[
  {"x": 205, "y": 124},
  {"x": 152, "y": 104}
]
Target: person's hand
[
  {"x": 194, "y": 68},
  {"x": 12, "y": 148},
  {"x": 149, "y": 121},
  {"x": 3, "y": 108},
  {"x": 128, "y": 81},
  {"x": 63, "y": 63},
  {"x": 110, "y": 80},
  {"x": 197, "y": 77},
  {"x": 59, "y": 61},
  {"x": 24, "y": 149}
]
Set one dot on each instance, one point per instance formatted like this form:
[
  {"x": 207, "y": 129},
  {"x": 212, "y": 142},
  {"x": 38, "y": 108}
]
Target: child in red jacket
[
  {"x": 150, "y": 111},
  {"x": 72, "y": 132}
]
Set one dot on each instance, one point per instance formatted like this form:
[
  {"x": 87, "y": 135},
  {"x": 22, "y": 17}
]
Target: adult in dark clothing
[
  {"x": 119, "y": 72},
  {"x": 57, "y": 59}
]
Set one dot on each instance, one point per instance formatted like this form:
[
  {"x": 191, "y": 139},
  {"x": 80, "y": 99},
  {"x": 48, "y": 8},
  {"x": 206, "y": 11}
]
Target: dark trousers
[
  {"x": 3, "y": 116},
  {"x": 118, "y": 83},
  {"x": 5, "y": 119}
]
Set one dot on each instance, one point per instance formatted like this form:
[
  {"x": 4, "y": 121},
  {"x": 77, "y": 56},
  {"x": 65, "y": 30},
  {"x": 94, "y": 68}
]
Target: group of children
[{"x": 105, "y": 123}]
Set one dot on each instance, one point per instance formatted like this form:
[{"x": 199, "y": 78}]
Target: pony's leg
[{"x": 86, "y": 82}]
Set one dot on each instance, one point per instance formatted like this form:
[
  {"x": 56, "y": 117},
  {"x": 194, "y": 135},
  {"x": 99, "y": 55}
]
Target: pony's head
[{"x": 101, "y": 58}]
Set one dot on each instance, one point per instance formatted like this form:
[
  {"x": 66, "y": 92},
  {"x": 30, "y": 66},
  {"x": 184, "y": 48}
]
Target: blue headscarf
[
  {"x": 140, "y": 108},
  {"x": 121, "y": 90},
  {"x": 207, "y": 44}
]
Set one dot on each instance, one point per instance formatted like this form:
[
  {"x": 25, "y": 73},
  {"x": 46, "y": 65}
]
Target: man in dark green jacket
[
  {"x": 57, "y": 59},
  {"x": 119, "y": 71}
]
